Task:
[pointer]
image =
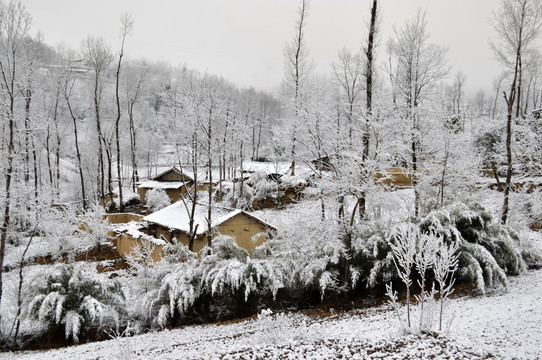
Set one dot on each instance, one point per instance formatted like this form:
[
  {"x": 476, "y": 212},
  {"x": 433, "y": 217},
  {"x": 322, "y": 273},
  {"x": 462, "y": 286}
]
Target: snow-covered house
[
  {"x": 272, "y": 170},
  {"x": 174, "y": 222},
  {"x": 173, "y": 181}
]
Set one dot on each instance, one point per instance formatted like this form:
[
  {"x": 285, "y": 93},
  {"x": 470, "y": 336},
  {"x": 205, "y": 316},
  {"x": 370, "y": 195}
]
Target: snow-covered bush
[
  {"x": 73, "y": 298},
  {"x": 263, "y": 188},
  {"x": 94, "y": 227},
  {"x": 58, "y": 226},
  {"x": 240, "y": 196},
  {"x": 312, "y": 258},
  {"x": 227, "y": 275},
  {"x": 230, "y": 272},
  {"x": 178, "y": 292},
  {"x": 372, "y": 260},
  {"x": 489, "y": 250},
  {"x": 157, "y": 199}
]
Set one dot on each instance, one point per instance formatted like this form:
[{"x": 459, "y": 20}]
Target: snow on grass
[{"x": 502, "y": 325}]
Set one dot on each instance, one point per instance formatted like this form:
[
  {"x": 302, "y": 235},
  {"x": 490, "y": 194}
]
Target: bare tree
[
  {"x": 348, "y": 71},
  {"x": 415, "y": 65},
  {"x": 98, "y": 57},
  {"x": 517, "y": 24},
  {"x": 497, "y": 82},
  {"x": 127, "y": 24},
  {"x": 297, "y": 68},
  {"x": 135, "y": 76},
  {"x": 68, "y": 90}
]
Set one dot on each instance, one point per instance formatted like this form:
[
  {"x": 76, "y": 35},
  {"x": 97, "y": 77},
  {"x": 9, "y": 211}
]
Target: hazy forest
[{"x": 393, "y": 200}]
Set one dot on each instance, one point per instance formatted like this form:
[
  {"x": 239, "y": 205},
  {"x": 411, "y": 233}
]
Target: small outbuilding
[{"x": 173, "y": 181}]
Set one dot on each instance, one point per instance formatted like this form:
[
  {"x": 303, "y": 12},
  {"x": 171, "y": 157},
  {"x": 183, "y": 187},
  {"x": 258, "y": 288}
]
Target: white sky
[{"x": 243, "y": 40}]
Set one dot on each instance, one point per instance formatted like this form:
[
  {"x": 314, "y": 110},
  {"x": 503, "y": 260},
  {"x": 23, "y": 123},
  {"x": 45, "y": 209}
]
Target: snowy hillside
[{"x": 503, "y": 325}]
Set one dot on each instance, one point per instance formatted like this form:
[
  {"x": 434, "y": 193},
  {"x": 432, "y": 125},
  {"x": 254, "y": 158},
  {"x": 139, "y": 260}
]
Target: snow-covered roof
[
  {"x": 177, "y": 217},
  {"x": 266, "y": 167},
  {"x": 151, "y": 184},
  {"x": 133, "y": 229}
]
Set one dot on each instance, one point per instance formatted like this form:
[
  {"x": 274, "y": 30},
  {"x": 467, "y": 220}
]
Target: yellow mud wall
[
  {"x": 126, "y": 244},
  {"x": 394, "y": 177},
  {"x": 122, "y": 218},
  {"x": 243, "y": 228},
  {"x": 174, "y": 194},
  {"x": 142, "y": 192}
]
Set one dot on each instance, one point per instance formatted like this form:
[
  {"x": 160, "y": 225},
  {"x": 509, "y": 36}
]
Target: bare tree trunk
[
  {"x": 100, "y": 172},
  {"x": 78, "y": 154},
  {"x": 126, "y": 28},
  {"x": 369, "y": 99},
  {"x": 297, "y": 59},
  {"x": 210, "y": 171},
  {"x": 57, "y": 158},
  {"x": 510, "y": 105}
]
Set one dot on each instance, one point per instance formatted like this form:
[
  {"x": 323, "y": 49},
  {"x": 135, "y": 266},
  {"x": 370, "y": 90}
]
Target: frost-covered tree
[
  {"x": 444, "y": 268},
  {"x": 95, "y": 227},
  {"x": 414, "y": 65},
  {"x": 97, "y": 55},
  {"x": 297, "y": 69},
  {"x": 126, "y": 27},
  {"x": 517, "y": 24}
]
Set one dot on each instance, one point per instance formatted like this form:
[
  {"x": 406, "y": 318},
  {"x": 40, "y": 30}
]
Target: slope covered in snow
[{"x": 503, "y": 325}]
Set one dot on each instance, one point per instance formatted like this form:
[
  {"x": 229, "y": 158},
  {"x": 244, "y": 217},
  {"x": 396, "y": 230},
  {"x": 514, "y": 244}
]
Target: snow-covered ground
[{"x": 502, "y": 325}]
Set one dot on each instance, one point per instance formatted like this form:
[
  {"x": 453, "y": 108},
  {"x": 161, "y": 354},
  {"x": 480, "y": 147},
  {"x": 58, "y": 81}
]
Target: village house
[
  {"x": 173, "y": 221},
  {"x": 173, "y": 181}
]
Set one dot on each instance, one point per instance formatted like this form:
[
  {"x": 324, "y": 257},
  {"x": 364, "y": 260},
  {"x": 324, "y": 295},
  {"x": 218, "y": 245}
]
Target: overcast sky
[{"x": 243, "y": 40}]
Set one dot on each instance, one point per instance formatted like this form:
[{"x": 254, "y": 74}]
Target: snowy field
[{"x": 502, "y": 325}]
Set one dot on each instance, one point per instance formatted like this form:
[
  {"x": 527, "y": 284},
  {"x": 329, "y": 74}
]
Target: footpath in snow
[{"x": 504, "y": 325}]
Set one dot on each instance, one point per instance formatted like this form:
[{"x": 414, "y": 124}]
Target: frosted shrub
[
  {"x": 226, "y": 273},
  {"x": 178, "y": 292},
  {"x": 310, "y": 259},
  {"x": 94, "y": 227},
  {"x": 272, "y": 329},
  {"x": 157, "y": 199},
  {"x": 372, "y": 259},
  {"x": 72, "y": 299},
  {"x": 58, "y": 227},
  {"x": 403, "y": 243},
  {"x": 230, "y": 271},
  {"x": 488, "y": 250},
  {"x": 423, "y": 252}
]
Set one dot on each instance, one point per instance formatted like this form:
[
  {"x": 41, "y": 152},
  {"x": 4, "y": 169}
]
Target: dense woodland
[{"x": 79, "y": 124}]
